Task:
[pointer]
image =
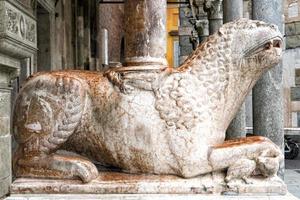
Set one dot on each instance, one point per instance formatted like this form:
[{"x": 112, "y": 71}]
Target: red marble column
[{"x": 145, "y": 32}]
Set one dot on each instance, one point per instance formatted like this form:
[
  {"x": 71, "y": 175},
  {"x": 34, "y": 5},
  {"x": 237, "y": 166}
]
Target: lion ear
[{"x": 221, "y": 31}]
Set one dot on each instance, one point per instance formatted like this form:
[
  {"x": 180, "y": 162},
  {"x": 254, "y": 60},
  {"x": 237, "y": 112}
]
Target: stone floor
[
  {"x": 292, "y": 179},
  {"x": 292, "y": 176}
]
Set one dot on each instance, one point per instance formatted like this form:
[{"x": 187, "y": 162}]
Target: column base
[{"x": 145, "y": 61}]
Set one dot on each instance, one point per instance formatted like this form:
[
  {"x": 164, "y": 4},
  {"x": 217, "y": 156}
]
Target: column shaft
[
  {"x": 267, "y": 94},
  {"x": 214, "y": 14},
  {"x": 233, "y": 10},
  {"x": 145, "y": 32}
]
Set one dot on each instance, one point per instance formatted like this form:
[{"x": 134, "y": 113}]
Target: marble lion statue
[{"x": 150, "y": 119}]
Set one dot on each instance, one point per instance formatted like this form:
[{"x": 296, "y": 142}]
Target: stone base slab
[
  {"x": 146, "y": 197},
  {"x": 121, "y": 183}
]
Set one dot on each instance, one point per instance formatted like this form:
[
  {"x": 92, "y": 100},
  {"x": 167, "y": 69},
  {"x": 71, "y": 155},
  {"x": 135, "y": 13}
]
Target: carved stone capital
[
  {"x": 201, "y": 27},
  {"x": 214, "y": 9}
]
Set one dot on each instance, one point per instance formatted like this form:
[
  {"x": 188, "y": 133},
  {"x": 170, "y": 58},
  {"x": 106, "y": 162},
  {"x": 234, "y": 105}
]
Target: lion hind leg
[{"x": 56, "y": 104}]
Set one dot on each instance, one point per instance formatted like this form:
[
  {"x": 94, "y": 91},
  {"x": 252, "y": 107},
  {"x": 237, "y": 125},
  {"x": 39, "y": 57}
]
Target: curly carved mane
[{"x": 194, "y": 93}]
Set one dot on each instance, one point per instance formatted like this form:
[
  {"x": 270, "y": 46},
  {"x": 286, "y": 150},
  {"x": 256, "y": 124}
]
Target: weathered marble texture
[{"x": 150, "y": 119}]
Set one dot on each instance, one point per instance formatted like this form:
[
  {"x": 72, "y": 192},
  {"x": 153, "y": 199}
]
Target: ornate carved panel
[
  {"x": 12, "y": 21},
  {"x": 19, "y": 24},
  {"x": 17, "y": 30}
]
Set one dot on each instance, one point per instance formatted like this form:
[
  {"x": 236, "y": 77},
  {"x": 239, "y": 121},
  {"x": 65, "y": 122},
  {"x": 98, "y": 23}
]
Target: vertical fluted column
[
  {"x": 145, "y": 32},
  {"x": 233, "y": 10},
  {"x": 267, "y": 93}
]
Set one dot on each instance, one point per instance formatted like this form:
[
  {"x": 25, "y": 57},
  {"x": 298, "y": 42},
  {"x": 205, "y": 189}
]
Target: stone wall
[
  {"x": 292, "y": 23},
  {"x": 292, "y": 32},
  {"x": 291, "y": 10},
  {"x": 291, "y": 63},
  {"x": 291, "y": 86}
]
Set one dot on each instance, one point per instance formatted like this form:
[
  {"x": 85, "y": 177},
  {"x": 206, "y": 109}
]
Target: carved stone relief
[
  {"x": 12, "y": 21},
  {"x": 30, "y": 31},
  {"x": 19, "y": 24},
  {"x": 150, "y": 119}
]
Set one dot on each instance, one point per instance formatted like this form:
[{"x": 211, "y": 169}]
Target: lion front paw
[
  {"x": 57, "y": 166},
  {"x": 85, "y": 170}
]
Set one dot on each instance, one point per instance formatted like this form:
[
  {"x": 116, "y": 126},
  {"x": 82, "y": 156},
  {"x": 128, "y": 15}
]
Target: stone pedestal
[
  {"x": 17, "y": 42},
  {"x": 268, "y": 93},
  {"x": 145, "y": 32},
  {"x": 147, "y": 197},
  {"x": 121, "y": 183}
]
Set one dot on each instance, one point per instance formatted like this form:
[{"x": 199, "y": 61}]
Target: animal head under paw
[{"x": 268, "y": 166}]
